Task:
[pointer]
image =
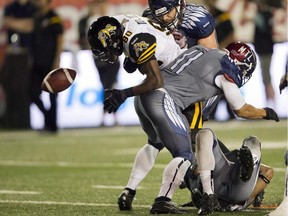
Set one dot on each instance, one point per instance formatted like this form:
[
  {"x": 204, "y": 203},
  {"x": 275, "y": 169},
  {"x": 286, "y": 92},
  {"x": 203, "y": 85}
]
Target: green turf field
[{"x": 82, "y": 172}]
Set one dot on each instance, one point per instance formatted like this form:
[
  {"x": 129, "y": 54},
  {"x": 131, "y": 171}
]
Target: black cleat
[
  {"x": 209, "y": 204},
  {"x": 197, "y": 197},
  {"x": 188, "y": 204},
  {"x": 125, "y": 200},
  {"x": 247, "y": 163},
  {"x": 166, "y": 207},
  {"x": 258, "y": 199}
]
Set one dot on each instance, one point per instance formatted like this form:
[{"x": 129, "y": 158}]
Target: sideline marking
[{"x": 19, "y": 192}]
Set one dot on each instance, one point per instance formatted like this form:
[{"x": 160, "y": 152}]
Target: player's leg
[
  {"x": 144, "y": 160},
  {"x": 205, "y": 140},
  {"x": 173, "y": 130},
  {"x": 266, "y": 174},
  {"x": 240, "y": 189}
]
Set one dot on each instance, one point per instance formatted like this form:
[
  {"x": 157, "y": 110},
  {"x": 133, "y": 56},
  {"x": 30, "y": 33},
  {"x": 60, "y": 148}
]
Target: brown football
[{"x": 58, "y": 80}]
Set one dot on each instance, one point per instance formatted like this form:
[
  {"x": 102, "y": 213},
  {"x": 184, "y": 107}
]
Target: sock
[
  {"x": 143, "y": 163},
  {"x": 207, "y": 182},
  {"x": 172, "y": 176}
]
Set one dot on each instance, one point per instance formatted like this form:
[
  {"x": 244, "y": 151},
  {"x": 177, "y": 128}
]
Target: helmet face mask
[
  {"x": 243, "y": 57},
  {"x": 105, "y": 39},
  {"x": 160, "y": 8}
]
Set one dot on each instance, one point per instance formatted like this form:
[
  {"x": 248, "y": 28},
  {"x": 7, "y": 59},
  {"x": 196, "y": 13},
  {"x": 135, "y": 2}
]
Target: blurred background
[{"x": 81, "y": 104}]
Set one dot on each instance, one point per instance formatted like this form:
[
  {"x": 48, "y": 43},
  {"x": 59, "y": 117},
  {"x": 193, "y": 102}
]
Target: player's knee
[
  {"x": 252, "y": 140},
  {"x": 204, "y": 134},
  {"x": 158, "y": 146}
]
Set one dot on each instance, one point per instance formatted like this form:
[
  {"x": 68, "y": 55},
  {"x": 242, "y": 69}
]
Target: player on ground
[
  {"x": 219, "y": 173},
  {"x": 140, "y": 42}
]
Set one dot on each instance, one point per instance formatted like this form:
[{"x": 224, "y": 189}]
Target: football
[{"x": 58, "y": 80}]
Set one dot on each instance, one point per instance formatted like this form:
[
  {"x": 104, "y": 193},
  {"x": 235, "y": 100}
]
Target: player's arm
[
  {"x": 24, "y": 25},
  {"x": 142, "y": 50},
  {"x": 204, "y": 31},
  {"x": 239, "y": 106},
  {"x": 153, "y": 78},
  {"x": 266, "y": 174}
]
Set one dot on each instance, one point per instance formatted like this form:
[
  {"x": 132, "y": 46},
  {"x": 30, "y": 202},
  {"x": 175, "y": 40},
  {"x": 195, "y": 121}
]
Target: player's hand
[
  {"x": 271, "y": 114},
  {"x": 115, "y": 99},
  {"x": 283, "y": 83},
  {"x": 179, "y": 38}
]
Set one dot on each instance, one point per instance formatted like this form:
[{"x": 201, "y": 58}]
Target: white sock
[
  {"x": 143, "y": 163},
  {"x": 172, "y": 176},
  {"x": 207, "y": 182},
  {"x": 205, "y": 158}
]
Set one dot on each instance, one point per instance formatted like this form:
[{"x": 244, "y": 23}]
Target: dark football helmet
[
  {"x": 243, "y": 57},
  {"x": 162, "y": 7},
  {"x": 105, "y": 38}
]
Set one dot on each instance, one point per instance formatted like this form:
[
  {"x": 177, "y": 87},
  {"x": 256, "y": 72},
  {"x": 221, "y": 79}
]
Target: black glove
[
  {"x": 271, "y": 114},
  {"x": 116, "y": 98},
  {"x": 129, "y": 66}
]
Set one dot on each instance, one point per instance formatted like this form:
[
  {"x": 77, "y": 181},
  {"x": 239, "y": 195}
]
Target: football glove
[
  {"x": 271, "y": 114},
  {"x": 116, "y": 98}
]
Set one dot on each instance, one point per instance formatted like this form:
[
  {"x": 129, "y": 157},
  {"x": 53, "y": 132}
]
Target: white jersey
[{"x": 144, "y": 39}]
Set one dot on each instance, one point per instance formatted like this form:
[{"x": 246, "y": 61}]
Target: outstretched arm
[{"x": 237, "y": 102}]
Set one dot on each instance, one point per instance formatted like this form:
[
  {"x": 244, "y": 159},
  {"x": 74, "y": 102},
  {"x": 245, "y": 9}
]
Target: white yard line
[
  {"x": 81, "y": 165},
  {"x": 65, "y": 203},
  {"x": 111, "y": 187},
  {"x": 19, "y": 192}
]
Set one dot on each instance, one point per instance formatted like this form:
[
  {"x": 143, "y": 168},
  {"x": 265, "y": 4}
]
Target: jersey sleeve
[
  {"x": 142, "y": 47},
  {"x": 197, "y": 22},
  {"x": 231, "y": 92}
]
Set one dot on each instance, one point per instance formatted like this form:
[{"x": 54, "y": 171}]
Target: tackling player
[{"x": 142, "y": 41}]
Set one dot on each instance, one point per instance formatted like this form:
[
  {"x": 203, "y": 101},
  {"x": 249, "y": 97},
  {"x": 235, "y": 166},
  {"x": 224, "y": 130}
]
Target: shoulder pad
[
  {"x": 142, "y": 47},
  {"x": 197, "y": 22},
  {"x": 230, "y": 71}
]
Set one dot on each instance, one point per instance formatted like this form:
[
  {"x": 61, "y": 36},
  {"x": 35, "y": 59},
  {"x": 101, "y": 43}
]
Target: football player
[
  {"x": 232, "y": 180},
  {"x": 153, "y": 49}
]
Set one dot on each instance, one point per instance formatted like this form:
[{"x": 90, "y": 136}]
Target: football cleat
[
  {"x": 125, "y": 200},
  {"x": 209, "y": 204},
  {"x": 188, "y": 204},
  {"x": 197, "y": 197},
  {"x": 166, "y": 207},
  {"x": 246, "y": 160}
]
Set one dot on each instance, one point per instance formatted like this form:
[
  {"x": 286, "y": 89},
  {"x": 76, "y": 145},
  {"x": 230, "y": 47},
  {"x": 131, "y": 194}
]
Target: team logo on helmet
[
  {"x": 106, "y": 33},
  {"x": 139, "y": 47}
]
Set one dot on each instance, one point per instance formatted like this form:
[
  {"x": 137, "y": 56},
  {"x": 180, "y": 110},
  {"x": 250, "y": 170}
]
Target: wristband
[{"x": 267, "y": 181}]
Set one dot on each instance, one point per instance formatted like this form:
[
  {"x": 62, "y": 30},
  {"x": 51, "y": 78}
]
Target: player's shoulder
[
  {"x": 196, "y": 10},
  {"x": 139, "y": 42},
  {"x": 197, "y": 21}
]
